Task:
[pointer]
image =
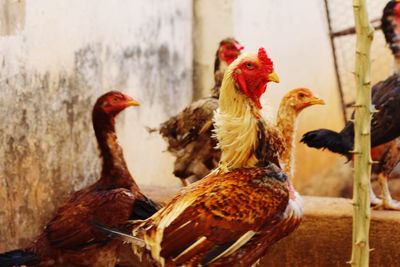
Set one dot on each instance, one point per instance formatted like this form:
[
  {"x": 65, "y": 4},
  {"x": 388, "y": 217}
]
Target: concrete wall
[{"x": 56, "y": 58}]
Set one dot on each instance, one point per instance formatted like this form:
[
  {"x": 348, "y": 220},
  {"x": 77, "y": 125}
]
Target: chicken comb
[{"x": 263, "y": 57}]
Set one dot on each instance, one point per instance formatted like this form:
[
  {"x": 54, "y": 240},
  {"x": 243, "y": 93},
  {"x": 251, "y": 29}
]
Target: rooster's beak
[
  {"x": 132, "y": 102},
  {"x": 317, "y": 101},
  {"x": 273, "y": 77}
]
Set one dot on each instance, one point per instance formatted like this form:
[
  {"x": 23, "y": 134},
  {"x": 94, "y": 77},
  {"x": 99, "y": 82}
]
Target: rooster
[
  {"x": 230, "y": 217},
  {"x": 384, "y": 125},
  {"x": 69, "y": 239},
  {"x": 189, "y": 133}
]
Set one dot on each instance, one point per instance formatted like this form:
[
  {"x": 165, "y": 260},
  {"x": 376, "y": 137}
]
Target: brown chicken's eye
[{"x": 301, "y": 95}]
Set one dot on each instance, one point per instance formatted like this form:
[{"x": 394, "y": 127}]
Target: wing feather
[
  {"x": 220, "y": 211},
  {"x": 71, "y": 228},
  {"x": 186, "y": 126}
]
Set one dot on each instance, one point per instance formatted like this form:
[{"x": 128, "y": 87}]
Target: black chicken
[{"x": 385, "y": 126}]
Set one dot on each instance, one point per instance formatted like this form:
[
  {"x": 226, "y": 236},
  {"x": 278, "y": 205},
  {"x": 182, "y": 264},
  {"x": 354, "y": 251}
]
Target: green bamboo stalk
[{"x": 362, "y": 142}]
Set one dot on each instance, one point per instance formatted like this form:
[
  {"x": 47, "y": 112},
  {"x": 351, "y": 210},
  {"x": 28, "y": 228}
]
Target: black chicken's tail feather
[
  {"x": 17, "y": 258},
  {"x": 115, "y": 233},
  {"x": 327, "y": 139},
  {"x": 143, "y": 209}
]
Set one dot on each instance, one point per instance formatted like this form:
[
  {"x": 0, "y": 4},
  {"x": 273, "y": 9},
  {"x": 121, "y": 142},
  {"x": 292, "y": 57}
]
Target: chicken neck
[
  {"x": 219, "y": 70},
  {"x": 286, "y": 123},
  {"x": 237, "y": 132},
  {"x": 236, "y": 127},
  {"x": 114, "y": 169}
]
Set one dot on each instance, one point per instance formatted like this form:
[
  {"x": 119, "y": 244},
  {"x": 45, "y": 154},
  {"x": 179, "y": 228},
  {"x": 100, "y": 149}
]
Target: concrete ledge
[{"x": 324, "y": 236}]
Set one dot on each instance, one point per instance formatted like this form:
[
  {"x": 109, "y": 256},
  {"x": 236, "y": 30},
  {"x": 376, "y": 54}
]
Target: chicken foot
[{"x": 388, "y": 203}]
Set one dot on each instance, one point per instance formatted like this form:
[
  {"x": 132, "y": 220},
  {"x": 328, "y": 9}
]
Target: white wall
[
  {"x": 213, "y": 21},
  {"x": 55, "y": 60},
  {"x": 295, "y": 35}
]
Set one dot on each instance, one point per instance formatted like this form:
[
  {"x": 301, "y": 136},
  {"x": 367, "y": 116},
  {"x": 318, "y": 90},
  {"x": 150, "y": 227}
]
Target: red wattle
[{"x": 242, "y": 84}]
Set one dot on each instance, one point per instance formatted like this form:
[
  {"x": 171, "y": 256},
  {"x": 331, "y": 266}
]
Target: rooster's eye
[
  {"x": 115, "y": 99},
  {"x": 249, "y": 66}
]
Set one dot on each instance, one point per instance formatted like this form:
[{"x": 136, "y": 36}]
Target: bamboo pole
[{"x": 362, "y": 142}]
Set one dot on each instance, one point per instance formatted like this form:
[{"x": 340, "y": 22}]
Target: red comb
[
  {"x": 397, "y": 9},
  {"x": 263, "y": 57}
]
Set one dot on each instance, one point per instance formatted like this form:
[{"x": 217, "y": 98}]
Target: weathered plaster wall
[
  {"x": 55, "y": 60},
  {"x": 213, "y": 21}
]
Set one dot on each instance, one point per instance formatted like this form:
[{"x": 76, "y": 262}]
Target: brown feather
[
  {"x": 189, "y": 139},
  {"x": 220, "y": 212},
  {"x": 387, "y": 157}
]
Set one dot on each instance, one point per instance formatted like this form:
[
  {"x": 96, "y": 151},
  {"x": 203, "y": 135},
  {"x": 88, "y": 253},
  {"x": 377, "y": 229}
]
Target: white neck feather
[{"x": 235, "y": 124}]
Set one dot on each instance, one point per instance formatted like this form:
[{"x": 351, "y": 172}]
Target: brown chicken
[
  {"x": 189, "y": 133},
  {"x": 233, "y": 215},
  {"x": 70, "y": 239},
  {"x": 290, "y": 107}
]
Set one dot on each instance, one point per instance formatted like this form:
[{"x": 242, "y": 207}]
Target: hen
[
  {"x": 232, "y": 216},
  {"x": 291, "y": 105},
  {"x": 69, "y": 239},
  {"x": 384, "y": 125},
  {"x": 189, "y": 133}
]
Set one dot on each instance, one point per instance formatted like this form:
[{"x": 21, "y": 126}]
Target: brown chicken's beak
[
  {"x": 238, "y": 46},
  {"x": 273, "y": 77},
  {"x": 317, "y": 101},
  {"x": 132, "y": 102}
]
